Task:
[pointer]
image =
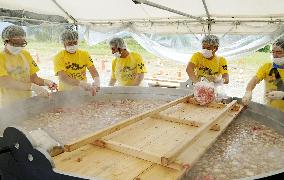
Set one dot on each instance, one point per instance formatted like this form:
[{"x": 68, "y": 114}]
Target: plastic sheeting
[
  {"x": 110, "y": 10},
  {"x": 181, "y": 47},
  {"x": 177, "y": 47},
  {"x": 249, "y": 16},
  {"x": 243, "y": 26}
]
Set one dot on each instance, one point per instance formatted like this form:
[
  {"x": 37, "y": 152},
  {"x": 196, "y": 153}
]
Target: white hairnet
[
  {"x": 279, "y": 43},
  {"x": 69, "y": 35},
  {"x": 117, "y": 43},
  {"x": 211, "y": 39},
  {"x": 13, "y": 31}
]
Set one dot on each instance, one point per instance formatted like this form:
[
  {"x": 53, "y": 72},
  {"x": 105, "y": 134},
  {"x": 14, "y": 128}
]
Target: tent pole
[
  {"x": 65, "y": 12},
  {"x": 167, "y": 9},
  {"x": 209, "y": 20},
  {"x": 28, "y": 19},
  {"x": 233, "y": 20},
  {"x": 206, "y": 9}
]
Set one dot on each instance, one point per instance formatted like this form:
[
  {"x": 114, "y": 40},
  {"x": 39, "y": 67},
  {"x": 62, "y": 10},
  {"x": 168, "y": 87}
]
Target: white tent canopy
[
  {"x": 251, "y": 23},
  {"x": 255, "y": 13}
]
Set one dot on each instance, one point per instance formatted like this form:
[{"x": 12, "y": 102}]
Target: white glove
[
  {"x": 40, "y": 91},
  {"x": 88, "y": 87},
  {"x": 247, "y": 98},
  {"x": 219, "y": 81},
  {"x": 276, "y": 95},
  {"x": 97, "y": 83},
  {"x": 50, "y": 84}
]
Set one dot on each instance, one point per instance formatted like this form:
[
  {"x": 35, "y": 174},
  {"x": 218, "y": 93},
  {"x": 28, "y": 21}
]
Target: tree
[
  {"x": 45, "y": 32},
  {"x": 265, "y": 49}
]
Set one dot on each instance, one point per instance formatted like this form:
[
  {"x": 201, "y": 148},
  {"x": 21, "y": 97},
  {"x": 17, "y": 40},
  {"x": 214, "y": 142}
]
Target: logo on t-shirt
[
  {"x": 91, "y": 59},
  {"x": 207, "y": 71},
  {"x": 141, "y": 65},
  {"x": 74, "y": 66},
  {"x": 34, "y": 63}
]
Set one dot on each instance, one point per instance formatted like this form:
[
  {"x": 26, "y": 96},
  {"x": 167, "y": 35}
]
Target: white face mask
[
  {"x": 279, "y": 61},
  {"x": 207, "y": 53},
  {"x": 116, "y": 55},
  {"x": 71, "y": 49},
  {"x": 14, "y": 50}
]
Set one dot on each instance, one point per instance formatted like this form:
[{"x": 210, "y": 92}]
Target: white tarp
[
  {"x": 146, "y": 18},
  {"x": 95, "y": 10},
  {"x": 242, "y": 25}
]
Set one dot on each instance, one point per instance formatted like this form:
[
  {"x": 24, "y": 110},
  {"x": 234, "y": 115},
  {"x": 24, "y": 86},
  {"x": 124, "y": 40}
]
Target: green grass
[{"x": 253, "y": 61}]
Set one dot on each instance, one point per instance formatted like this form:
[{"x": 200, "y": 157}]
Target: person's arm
[
  {"x": 139, "y": 78},
  {"x": 248, "y": 94},
  {"x": 43, "y": 82},
  {"x": 252, "y": 83},
  {"x": 95, "y": 75},
  {"x": 225, "y": 78},
  {"x": 190, "y": 72},
  {"x": 93, "y": 71},
  {"x": 37, "y": 80},
  {"x": 261, "y": 74},
  {"x": 112, "y": 82}
]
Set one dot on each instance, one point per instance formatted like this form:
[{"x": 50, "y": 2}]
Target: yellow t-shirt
[
  {"x": 20, "y": 67},
  {"x": 208, "y": 68},
  {"x": 74, "y": 65},
  {"x": 125, "y": 70},
  {"x": 271, "y": 84}
]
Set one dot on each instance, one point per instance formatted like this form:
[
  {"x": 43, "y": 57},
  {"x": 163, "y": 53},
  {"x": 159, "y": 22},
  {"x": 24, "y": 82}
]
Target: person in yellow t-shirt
[
  {"x": 18, "y": 71},
  {"x": 273, "y": 75},
  {"x": 207, "y": 64},
  {"x": 71, "y": 63},
  {"x": 128, "y": 68}
]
